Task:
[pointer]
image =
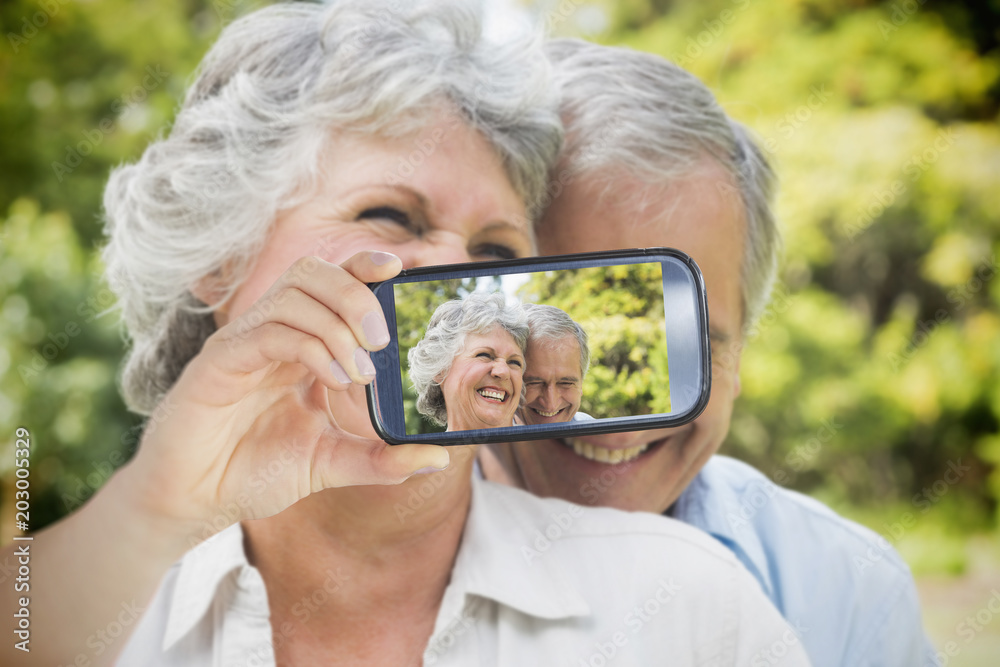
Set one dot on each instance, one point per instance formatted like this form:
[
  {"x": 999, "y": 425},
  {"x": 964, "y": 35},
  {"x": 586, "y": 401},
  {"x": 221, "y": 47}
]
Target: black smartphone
[{"x": 640, "y": 314}]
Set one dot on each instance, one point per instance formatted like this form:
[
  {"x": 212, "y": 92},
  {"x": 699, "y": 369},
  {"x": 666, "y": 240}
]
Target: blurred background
[{"x": 871, "y": 383}]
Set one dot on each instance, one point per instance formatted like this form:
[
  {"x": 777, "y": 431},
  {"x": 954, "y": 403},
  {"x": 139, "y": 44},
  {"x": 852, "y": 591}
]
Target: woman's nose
[
  {"x": 500, "y": 369},
  {"x": 425, "y": 252}
]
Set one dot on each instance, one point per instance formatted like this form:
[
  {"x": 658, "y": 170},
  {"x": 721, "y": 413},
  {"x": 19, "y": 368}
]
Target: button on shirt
[
  {"x": 535, "y": 582},
  {"x": 844, "y": 588}
]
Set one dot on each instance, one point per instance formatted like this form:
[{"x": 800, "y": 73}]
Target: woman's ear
[
  {"x": 211, "y": 291},
  {"x": 736, "y": 379}
]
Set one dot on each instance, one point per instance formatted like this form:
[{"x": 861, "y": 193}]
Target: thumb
[
  {"x": 344, "y": 459},
  {"x": 412, "y": 459}
]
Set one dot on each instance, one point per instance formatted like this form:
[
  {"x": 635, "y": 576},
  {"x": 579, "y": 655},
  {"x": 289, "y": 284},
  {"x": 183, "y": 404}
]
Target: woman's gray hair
[
  {"x": 444, "y": 339},
  {"x": 624, "y": 109},
  {"x": 549, "y": 324},
  {"x": 267, "y": 102}
]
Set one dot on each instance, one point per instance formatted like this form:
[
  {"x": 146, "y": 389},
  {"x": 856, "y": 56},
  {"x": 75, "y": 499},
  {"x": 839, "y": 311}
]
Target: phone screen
[
  {"x": 619, "y": 308},
  {"x": 618, "y": 341}
]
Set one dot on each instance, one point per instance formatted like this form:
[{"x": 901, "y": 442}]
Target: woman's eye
[
  {"x": 515, "y": 363},
  {"x": 494, "y": 251},
  {"x": 485, "y": 355},
  {"x": 387, "y": 213}
]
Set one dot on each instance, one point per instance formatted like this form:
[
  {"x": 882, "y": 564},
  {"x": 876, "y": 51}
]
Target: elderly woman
[
  {"x": 320, "y": 148},
  {"x": 468, "y": 367}
]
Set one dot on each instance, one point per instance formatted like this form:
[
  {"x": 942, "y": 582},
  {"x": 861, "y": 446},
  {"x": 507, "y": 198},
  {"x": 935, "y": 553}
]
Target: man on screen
[
  {"x": 556, "y": 361},
  {"x": 652, "y": 160}
]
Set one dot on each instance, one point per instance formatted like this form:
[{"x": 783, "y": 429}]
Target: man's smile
[
  {"x": 547, "y": 413},
  {"x": 611, "y": 456}
]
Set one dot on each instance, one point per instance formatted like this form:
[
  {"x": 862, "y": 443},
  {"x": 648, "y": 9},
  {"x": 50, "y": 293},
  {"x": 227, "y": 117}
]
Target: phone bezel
[{"x": 387, "y": 362}]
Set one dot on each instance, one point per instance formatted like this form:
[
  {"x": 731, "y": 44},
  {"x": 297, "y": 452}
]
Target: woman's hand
[{"x": 247, "y": 429}]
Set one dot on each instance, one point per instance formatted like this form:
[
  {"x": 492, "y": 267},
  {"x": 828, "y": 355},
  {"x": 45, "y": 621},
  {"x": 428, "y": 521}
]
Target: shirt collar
[
  {"x": 503, "y": 525},
  {"x": 712, "y": 502},
  {"x": 499, "y": 557},
  {"x": 201, "y": 572}
]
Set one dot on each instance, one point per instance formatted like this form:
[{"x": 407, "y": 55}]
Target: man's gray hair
[
  {"x": 270, "y": 98},
  {"x": 549, "y": 324},
  {"x": 444, "y": 339},
  {"x": 637, "y": 111}
]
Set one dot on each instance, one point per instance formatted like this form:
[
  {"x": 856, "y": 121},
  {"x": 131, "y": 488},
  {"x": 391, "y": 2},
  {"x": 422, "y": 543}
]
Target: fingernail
[
  {"x": 373, "y": 325},
  {"x": 380, "y": 258},
  {"x": 339, "y": 372},
  {"x": 364, "y": 363},
  {"x": 424, "y": 471}
]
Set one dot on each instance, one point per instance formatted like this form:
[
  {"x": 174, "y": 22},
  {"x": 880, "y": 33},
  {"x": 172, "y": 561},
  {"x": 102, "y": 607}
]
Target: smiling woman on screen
[{"x": 468, "y": 367}]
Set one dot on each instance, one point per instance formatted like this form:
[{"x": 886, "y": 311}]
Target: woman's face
[
  {"x": 483, "y": 386},
  {"x": 436, "y": 197}
]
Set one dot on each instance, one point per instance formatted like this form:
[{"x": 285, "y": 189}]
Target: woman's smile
[
  {"x": 483, "y": 386},
  {"x": 492, "y": 394}
]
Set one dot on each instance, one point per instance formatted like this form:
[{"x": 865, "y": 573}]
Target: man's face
[
  {"x": 703, "y": 216},
  {"x": 552, "y": 380}
]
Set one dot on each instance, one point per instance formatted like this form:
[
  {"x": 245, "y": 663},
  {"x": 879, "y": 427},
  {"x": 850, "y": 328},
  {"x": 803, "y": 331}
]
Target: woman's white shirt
[{"x": 537, "y": 581}]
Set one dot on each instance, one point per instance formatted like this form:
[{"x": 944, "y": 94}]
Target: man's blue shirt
[{"x": 844, "y": 589}]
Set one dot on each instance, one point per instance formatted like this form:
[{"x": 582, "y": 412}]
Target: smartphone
[{"x": 644, "y": 323}]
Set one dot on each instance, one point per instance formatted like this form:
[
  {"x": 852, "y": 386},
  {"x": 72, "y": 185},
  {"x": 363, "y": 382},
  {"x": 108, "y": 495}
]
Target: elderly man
[
  {"x": 556, "y": 361},
  {"x": 652, "y": 160}
]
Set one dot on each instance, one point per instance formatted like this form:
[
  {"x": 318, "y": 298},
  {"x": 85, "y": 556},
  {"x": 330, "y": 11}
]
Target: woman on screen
[{"x": 468, "y": 368}]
